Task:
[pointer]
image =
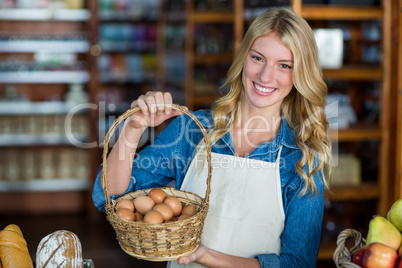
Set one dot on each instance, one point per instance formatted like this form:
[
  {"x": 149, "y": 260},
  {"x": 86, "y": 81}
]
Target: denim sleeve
[
  {"x": 301, "y": 236},
  {"x": 98, "y": 195}
]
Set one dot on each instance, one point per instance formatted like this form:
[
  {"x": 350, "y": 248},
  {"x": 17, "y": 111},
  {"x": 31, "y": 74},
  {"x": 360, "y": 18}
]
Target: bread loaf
[
  {"x": 59, "y": 249},
  {"x": 13, "y": 248}
]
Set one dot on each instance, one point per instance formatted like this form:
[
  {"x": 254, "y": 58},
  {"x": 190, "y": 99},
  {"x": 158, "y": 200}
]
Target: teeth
[{"x": 263, "y": 89}]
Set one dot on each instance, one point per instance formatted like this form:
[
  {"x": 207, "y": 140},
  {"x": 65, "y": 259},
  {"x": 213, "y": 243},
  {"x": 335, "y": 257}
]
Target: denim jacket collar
[{"x": 285, "y": 137}]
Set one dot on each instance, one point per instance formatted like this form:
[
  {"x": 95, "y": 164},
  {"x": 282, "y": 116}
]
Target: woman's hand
[
  {"x": 197, "y": 256},
  {"x": 155, "y": 108},
  {"x": 215, "y": 259}
]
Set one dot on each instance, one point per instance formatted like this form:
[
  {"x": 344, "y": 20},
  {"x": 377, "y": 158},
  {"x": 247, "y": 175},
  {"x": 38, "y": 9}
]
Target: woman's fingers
[
  {"x": 168, "y": 102},
  {"x": 155, "y": 106},
  {"x": 142, "y": 105},
  {"x": 159, "y": 102},
  {"x": 154, "y": 102},
  {"x": 151, "y": 103}
]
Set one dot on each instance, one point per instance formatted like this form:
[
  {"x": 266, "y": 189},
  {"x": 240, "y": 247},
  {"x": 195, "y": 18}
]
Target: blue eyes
[
  {"x": 282, "y": 65},
  {"x": 285, "y": 66},
  {"x": 256, "y": 58}
]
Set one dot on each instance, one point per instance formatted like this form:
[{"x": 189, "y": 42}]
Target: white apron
[{"x": 245, "y": 216}]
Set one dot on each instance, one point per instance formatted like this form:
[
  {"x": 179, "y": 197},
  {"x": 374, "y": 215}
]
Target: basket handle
[
  {"x": 133, "y": 110},
  {"x": 343, "y": 256}
]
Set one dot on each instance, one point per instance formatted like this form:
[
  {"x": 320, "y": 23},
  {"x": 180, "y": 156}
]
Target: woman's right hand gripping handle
[{"x": 155, "y": 108}]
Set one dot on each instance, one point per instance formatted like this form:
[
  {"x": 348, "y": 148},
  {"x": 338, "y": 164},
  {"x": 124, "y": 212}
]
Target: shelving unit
[
  {"x": 126, "y": 65},
  {"x": 356, "y": 72},
  {"x": 186, "y": 89},
  {"x": 43, "y": 52}
]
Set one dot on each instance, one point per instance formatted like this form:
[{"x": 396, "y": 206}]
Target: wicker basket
[
  {"x": 342, "y": 255},
  {"x": 166, "y": 241}
]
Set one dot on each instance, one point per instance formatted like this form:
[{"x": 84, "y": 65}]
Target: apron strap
[{"x": 277, "y": 162}]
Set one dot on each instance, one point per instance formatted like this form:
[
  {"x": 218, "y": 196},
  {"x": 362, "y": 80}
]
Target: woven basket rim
[{"x": 160, "y": 259}]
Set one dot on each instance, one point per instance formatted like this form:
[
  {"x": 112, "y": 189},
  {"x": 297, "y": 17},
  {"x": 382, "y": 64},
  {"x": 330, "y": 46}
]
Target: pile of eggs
[{"x": 155, "y": 208}]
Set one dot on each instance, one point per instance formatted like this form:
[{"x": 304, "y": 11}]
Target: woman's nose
[{"x": 267, "y": 73}]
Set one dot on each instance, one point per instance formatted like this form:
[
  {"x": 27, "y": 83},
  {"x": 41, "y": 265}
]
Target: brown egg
[
  {"x": 189, "y": 210},
  {"x": 153, "y": 217},
  {"x": 174, "y": 204},
  {"x": 138, "y": 216},
  {"x": 165, "y": 210},
  {"x": 184, "y": 216},
  {"x": 157, "y": 195},
  {"x": 143, "y": 204},
  {"x": 125, "y": 213},
  {"x": 125, "y": 203}
]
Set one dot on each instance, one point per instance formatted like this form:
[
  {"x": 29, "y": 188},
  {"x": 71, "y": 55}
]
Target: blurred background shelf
[
  {"x": 356, "y": 133},
  {"x": 45, "y": 185},
  {"x": 37, "y": 108},
  {"x": 11, "y": 140},
  {"x": 42, "y": 14},
  {"x": 360, "y": 192},
  {"x": 354, "y": 73},
  {"x": 44, "y": 77},
  {"x": 32, "y": 46},
  {"x": 42, "y": 202},
  {"x": 336, "y": 12}
]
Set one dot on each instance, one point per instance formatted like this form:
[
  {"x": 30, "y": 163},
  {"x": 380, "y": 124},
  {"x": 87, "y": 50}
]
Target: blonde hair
[{"x": 303, "y": 108}]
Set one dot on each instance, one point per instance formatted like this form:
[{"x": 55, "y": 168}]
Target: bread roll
[
  {"x": 59, "y": 249},
  {"x": 13, "y": 248}
]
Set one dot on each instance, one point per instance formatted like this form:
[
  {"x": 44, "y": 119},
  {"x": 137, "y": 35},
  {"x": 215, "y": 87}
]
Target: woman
[{"x": 270, "y": 152}]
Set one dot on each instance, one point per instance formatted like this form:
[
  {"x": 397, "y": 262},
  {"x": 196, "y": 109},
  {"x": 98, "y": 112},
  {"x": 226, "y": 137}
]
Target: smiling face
[{"x": 267, "y": 74}]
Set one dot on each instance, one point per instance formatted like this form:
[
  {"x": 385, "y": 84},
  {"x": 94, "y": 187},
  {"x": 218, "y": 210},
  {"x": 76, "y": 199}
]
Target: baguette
[{"x": 13, "y": 248}]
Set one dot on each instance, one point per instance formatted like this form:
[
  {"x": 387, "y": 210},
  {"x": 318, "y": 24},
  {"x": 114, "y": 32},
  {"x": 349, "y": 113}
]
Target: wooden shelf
[
  {"x": 42, "y": 202},
  {"x": 200, "y": 17},
  {"x": 333, "y": 12},
  {"x": 361, "y": 192},
  {"x": 54, "y": 184},
  {"x": 211, "y": 17},
  {"x": 213, "y": 58},
  {"x": 354, "y": 73},
  {"x": 204, "y": 100},
  {"x": 356, "y": 133},
  {"x": 326, "y": 251}
]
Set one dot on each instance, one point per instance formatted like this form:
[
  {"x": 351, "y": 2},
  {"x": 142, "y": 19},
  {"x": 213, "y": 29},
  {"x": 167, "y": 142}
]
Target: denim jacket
[{"x": 168, "y": 158}]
